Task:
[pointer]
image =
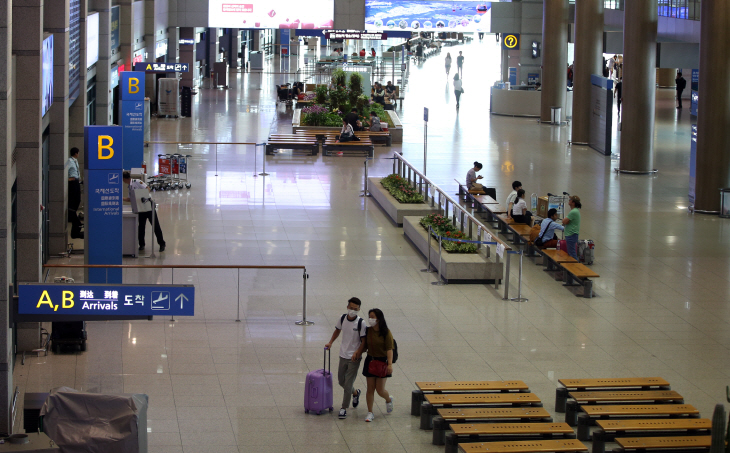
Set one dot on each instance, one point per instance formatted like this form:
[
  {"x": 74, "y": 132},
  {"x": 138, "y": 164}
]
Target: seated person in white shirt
[
  {"x": 547, "y": 238},
  {"x": 516, "y": 185},
  {"x": 520, "y": 214}
]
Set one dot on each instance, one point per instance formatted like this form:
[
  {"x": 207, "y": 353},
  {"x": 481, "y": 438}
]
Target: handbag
[
  {"x": 538, "y": 241},
  {"x": 378, "y": 368}
]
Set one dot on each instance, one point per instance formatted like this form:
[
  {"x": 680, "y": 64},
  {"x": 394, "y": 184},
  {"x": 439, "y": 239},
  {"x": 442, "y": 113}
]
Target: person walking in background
[
  {"x": 448, "y": 63},
  {"x": 617, "y": 93},
  {"x": 457, "y": 89},
  {"x": 681, "y": 85},
  {"x": 74, "y": 193},
  {"x": 372, "y": 51},
  {"x": 378, "y": 364},
  {"x": 353, "y": 330},
  {"x": 460, "y": 64},
  {"x": 572, "y": 226}
]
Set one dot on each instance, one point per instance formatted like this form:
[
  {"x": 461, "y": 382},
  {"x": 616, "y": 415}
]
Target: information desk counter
[{"x": 523, "y": 103}]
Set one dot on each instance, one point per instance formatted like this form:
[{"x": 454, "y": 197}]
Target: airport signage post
[{"x": 132, "y": 106}]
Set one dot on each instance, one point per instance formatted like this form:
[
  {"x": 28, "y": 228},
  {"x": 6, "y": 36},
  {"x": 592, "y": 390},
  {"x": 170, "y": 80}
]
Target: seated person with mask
[{"x": 547, "y": 238}]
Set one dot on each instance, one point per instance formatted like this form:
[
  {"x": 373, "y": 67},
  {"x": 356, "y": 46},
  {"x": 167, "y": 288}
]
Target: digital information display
[
  {"x": 417, "y": 15},
  {"x": 47, "y": 74},
  {"x": 106, "y": 300},
  {"x": 292, "y": 14}
]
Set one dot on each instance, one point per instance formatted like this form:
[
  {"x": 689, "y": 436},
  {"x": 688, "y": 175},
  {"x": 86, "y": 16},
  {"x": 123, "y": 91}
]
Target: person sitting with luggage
[
  {"x": 347, "y": 134},
  {"x": 547, "y": 239},
  {"x": 379, "y": 93},
  {"x": 520, "y": 214},
  {"x": 471, "y": 179}
]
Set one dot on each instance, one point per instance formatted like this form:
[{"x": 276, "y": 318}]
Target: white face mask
[
  {"x": 372, "y": 322},
  {"x": 352, "y": 313}
]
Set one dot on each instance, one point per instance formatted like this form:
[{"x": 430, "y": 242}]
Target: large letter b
[
  {"x": 107, "y": 146},
  {"x": 133, "y": 85}
]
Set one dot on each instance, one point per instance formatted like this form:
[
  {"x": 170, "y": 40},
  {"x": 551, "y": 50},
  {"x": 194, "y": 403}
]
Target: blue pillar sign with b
[
  {"x": 131, "y": 95},
  {"x": 103, "y": 191}
]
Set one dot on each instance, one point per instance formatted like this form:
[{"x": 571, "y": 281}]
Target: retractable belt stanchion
[
  {"x": 304, "y": 321},
  {"x": 264, "y": 172},
  {"x": 428, "y": 254},
  {"x": 365, "y": 192},
  {"x": 519, "y": 297}
]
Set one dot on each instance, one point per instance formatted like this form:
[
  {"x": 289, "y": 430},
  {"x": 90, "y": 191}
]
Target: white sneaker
[
  {"x": 370, "y": 417},
  {"x": 343, "y": 414},
  {"x": 389, "y": 405}
]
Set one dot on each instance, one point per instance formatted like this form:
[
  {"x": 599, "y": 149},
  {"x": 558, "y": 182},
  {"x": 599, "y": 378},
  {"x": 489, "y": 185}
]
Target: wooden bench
[
  {"x": 491, "y": 432},
  {"x": 331, "y": 146},
  {"x": 525, "y": 446},
  {"x": 582, "y": 274},
  {"x": 292, "y": 143},
  {"x": 590, "y": 414},
  {"x": 689, "y": 443},
  {"x": 486, "y": 203},
  {"x": 417, "y": 396},
  {"x": 609, "y": 384},
  {"x": 579, "y": 399},
  {"x": 520, "y": 232},
  {"x": 552, "y": 259},
  {"x": 608, "y": 430},
  {"x": 324, "y": 134},
  {"x": 428, "y": 407},
  {"x": 447, "y": 417}
]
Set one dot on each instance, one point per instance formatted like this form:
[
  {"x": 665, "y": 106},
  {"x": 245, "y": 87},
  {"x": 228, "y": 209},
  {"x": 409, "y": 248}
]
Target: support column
[
  {"x": 554, "y": 57},
  {"x": 505, "y": 65},
  {"x": 639, "y": 87},
  {"x": 56, "y": 20},
  {"x": 103, "y": 67},
  {"x": 77, "y": 112},
  {"x": 6, "y": 151},
  {"x": 588, "y": 59},
  {"x": 187, "y": 56},
  {"x": 27, "y": 45},
  {"x": 713, "y": 134},
  {"x": 126, "y": 33}
]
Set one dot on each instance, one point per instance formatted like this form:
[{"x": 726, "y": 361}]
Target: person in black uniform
[
  {"x": 681, "y": 85},
  {"x": 617, "y": 93}
]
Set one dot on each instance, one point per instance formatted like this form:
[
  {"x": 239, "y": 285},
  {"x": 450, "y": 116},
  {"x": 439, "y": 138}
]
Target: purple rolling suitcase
[{"x": 318, "y": 389}]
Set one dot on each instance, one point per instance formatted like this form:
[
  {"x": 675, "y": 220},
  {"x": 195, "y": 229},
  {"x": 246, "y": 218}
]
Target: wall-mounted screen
[
  {"x": 315, "y": 14},
  {"x": 47, "y": 74},
  {"x": 92, "y": 39},
  {"x": 421, "y": 15}
]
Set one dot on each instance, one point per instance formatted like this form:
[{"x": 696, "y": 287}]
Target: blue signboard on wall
[
  {"x": 513, "y": 76},
  {"x": 106, "y": 300},
  {"x": 132, "y": 118},
  {"x": 114, "y": 35},
  {"x": 285, "y": 34},
  {"x": 695, "y": 85},
  {"x": 693, "y": 103},
  {"x": 103, "y": 176}
]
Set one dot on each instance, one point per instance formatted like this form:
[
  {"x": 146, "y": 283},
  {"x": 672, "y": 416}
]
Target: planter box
[
  {"x": 455, "y": 267},
  {"x": 396, "y": 132},
  {"x": 395, "y": 209}
]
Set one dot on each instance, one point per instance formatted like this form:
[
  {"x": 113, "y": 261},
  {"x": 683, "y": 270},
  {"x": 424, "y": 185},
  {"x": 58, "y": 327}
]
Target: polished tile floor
[{"x": 220, "y": 386}]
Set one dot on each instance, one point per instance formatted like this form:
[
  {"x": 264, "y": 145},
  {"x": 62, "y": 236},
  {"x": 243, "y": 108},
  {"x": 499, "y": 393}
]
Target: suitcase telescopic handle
[{"x": 325, "y": 360}]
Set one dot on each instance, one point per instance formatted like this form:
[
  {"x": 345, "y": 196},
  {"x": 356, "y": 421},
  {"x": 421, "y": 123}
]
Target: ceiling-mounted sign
[
  {"x": 186, "y": 42},
  {"x": 535, "y": 49},
  {"x": 511, "y": 41},
  {"x": 92, "y": 39},
  {"x": 356, "y": 34},
  {"x": 418, "y": 15},
  {"x": 161, "y": 67}
]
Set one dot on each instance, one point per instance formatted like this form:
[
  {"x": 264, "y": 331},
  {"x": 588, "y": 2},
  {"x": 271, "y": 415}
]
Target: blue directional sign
[
  {"x": 106, "y": 300},
  {"x": 161, "y": 67}
]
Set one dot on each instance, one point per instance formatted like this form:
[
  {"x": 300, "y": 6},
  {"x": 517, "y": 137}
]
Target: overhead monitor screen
[
  {"x": 92, "y": 39},
  {"x": 420, "y": 15},
  {"x": 47, "y": 74},
  {"x": 293, "y": 14}
]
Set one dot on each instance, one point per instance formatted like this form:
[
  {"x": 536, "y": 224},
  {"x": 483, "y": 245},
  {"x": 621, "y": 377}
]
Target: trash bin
[
  {"x": 555, "y": 115},
  {"x": 725, "y": 203}
]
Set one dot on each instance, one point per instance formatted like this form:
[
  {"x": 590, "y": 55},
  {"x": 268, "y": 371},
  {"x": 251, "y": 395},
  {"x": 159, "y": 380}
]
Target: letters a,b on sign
[{"x": 131, "y": 86}]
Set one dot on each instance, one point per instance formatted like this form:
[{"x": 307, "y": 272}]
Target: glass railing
[{"x": 679, "y": 9}]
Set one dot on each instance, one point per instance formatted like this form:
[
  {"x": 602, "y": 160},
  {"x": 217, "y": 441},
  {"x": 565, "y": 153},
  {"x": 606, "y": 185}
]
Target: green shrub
[
  {"x": 442, "y": 226},
  {"x": 401, "y": 189},
  {"x": 339, "y": 78},
  {"x": 321, "y": 95}
]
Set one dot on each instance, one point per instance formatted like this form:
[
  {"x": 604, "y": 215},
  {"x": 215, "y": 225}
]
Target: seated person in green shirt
[{"x": 572, "y": 226}]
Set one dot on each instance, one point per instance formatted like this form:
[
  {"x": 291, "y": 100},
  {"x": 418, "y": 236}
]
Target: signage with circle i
[
  {"x": 131, "y": 86},
  {"x": 511, "y": 41}
]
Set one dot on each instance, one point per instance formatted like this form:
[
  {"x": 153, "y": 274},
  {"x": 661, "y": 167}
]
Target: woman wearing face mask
[{"x": 379, "y": 345}]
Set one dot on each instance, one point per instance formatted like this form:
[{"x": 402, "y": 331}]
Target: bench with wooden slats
[
  {"x": 323, "y": 134},
  {"x": 601, "y": 384},
  {"x": 292, "y": 142},
  {"x": 364, "y": 145},
  {"x": 525, "y": 446},
  {"x": 434, "y": 401},
  {"x": 447, "y": 417},
  {"x": 552, "y": 259},
  {"x": 417, "y": 396},
  {"x": 578, "y": 399},
  {"x": 686, "y": 443},
  {"x": 520, "y": 231},
  {"x": 582, "y": 274},
  {"x": 493, "y": 432},
  {"x": 590, "y": 414},
  {"x": 383, "y": 137},
  {"x": 609, "y": 430}
]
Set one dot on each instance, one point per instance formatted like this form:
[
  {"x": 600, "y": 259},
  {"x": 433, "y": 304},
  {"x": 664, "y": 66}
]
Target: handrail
[
  {"x": 172, "y": 268},
  {"x": 401, "y": 164}
]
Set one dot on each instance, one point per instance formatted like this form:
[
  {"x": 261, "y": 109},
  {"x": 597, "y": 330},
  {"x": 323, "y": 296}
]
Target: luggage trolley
[{"x": 171, "y": 166}]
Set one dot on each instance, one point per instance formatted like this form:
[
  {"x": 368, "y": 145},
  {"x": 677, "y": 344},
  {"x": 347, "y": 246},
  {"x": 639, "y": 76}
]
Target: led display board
[
  {"x": 47, "y": 74},
  {"x": 419, "y": 15},
  {"x": 290, "y": 14},
  {"x": 92, "y": 39}
]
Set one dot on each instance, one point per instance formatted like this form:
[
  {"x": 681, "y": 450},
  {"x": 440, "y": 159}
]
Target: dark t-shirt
[
  {"x": 681, "y": 83},
  {"x": 619, "y": 87},
  {"x": 390, "y": 88},
  {"x": 460, "y": 60},
  {"x": 352, "y": 118}
]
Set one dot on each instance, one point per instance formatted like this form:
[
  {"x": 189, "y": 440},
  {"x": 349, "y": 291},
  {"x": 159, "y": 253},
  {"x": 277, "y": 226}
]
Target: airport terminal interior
[{"x": 217, "y": 385}]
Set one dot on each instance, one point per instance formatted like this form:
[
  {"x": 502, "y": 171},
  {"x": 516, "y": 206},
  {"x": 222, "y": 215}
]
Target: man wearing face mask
[{"x": 353, "y": 331}]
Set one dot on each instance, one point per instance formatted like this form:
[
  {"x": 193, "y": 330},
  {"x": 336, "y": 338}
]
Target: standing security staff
[
  {"x": 74, "y": 194},
  {"x": 143, "y": 216}
]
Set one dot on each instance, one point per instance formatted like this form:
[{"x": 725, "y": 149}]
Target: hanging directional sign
[
  {"x": 106, "y": 300},
  {"x": 161, "y": 67}
]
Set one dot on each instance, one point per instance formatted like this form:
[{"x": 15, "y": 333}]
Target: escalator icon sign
[{"x": 160, "y": 300}]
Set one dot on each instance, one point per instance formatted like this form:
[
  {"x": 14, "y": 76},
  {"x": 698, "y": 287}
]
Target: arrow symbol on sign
[{"x": 182, "y": 299}]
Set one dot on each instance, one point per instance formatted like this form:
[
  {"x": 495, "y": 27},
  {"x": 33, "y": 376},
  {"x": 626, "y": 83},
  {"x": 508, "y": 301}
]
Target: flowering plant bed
[
  {"x": 442, "y": 226},
  {"x": 401, "y": 189}
]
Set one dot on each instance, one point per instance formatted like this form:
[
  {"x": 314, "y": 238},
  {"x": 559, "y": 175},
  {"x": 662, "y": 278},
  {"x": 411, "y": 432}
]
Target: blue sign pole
[
  {"x": 103, "y": 176},
  {"x": 131, "y": 93},
  {"x": 106, "y": 300}
]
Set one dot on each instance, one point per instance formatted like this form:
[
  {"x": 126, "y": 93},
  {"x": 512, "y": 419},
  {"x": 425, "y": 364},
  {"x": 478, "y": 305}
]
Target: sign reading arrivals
[
  {"x": 161, "y": 67},
  {"x": 106, "y": 300},
  {"x": 356, "y": 34}
]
